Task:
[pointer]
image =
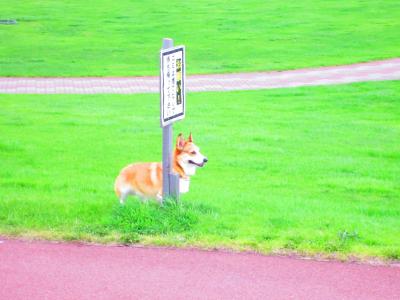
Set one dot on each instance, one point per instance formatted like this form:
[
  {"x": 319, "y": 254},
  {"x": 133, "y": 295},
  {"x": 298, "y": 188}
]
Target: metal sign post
[{"x": 172, "y": 108}]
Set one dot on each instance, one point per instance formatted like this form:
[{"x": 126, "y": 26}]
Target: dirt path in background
[
  {"x": 371, "y": 71},
  {"x": 44, "y": 270}
]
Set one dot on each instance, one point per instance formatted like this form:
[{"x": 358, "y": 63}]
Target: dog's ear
[
  {"x": 180, "y": 142},
  {"x": 190, "y": 139}
]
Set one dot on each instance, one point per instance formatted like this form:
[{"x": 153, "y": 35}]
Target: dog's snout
[{"x": 205, "y": 159}]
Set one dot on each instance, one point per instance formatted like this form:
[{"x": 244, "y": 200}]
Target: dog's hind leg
[
  {"x": 124, "y": 193},
  {"x": 122, "y": 198}
]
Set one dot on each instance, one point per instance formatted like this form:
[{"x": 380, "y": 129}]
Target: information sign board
[{"x": 172, "y": 83}]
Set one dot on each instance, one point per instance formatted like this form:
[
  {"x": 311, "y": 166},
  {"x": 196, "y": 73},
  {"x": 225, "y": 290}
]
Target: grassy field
[
  {"x": 311, "y": 170},
  {"x": 115, "y": 38}
]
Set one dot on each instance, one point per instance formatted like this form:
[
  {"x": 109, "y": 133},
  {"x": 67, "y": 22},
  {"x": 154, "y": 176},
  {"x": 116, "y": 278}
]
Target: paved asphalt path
[
  {"x": 371, "y": 71},
  {"x": 44, "y": 270}
]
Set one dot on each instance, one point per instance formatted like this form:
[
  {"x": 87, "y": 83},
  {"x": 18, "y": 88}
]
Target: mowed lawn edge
[
  {"x": 305, "y": 170},
  {"x": 123, "y": 38}
]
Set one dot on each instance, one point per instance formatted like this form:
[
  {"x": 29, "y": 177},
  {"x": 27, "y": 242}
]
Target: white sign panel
[{"x": 172, "y": 83}]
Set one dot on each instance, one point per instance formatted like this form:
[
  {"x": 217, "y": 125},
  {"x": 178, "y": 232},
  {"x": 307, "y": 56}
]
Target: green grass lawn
[
  {"x": 116, "y": 38},
  {"x": 311, "y": 170}
]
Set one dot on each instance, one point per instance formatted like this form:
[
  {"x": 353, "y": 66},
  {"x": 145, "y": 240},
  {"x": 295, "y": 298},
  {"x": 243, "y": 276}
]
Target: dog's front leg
[{"x": 159, "y": 197}]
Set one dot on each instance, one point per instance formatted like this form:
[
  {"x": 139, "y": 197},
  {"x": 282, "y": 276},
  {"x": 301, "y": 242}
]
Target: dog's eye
[{"x": 193, "y": 152}]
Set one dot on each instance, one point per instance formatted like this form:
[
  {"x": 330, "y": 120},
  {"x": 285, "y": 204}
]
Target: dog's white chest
[{"x": 184, "y": 185}]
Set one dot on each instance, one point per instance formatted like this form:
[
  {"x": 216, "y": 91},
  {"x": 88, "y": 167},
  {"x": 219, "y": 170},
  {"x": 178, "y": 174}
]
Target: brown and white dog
[{"x": 145, "y": 179}]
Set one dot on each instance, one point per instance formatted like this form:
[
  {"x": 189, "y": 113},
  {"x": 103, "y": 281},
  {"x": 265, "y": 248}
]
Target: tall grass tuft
[{"x": 151, "y": 218}]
